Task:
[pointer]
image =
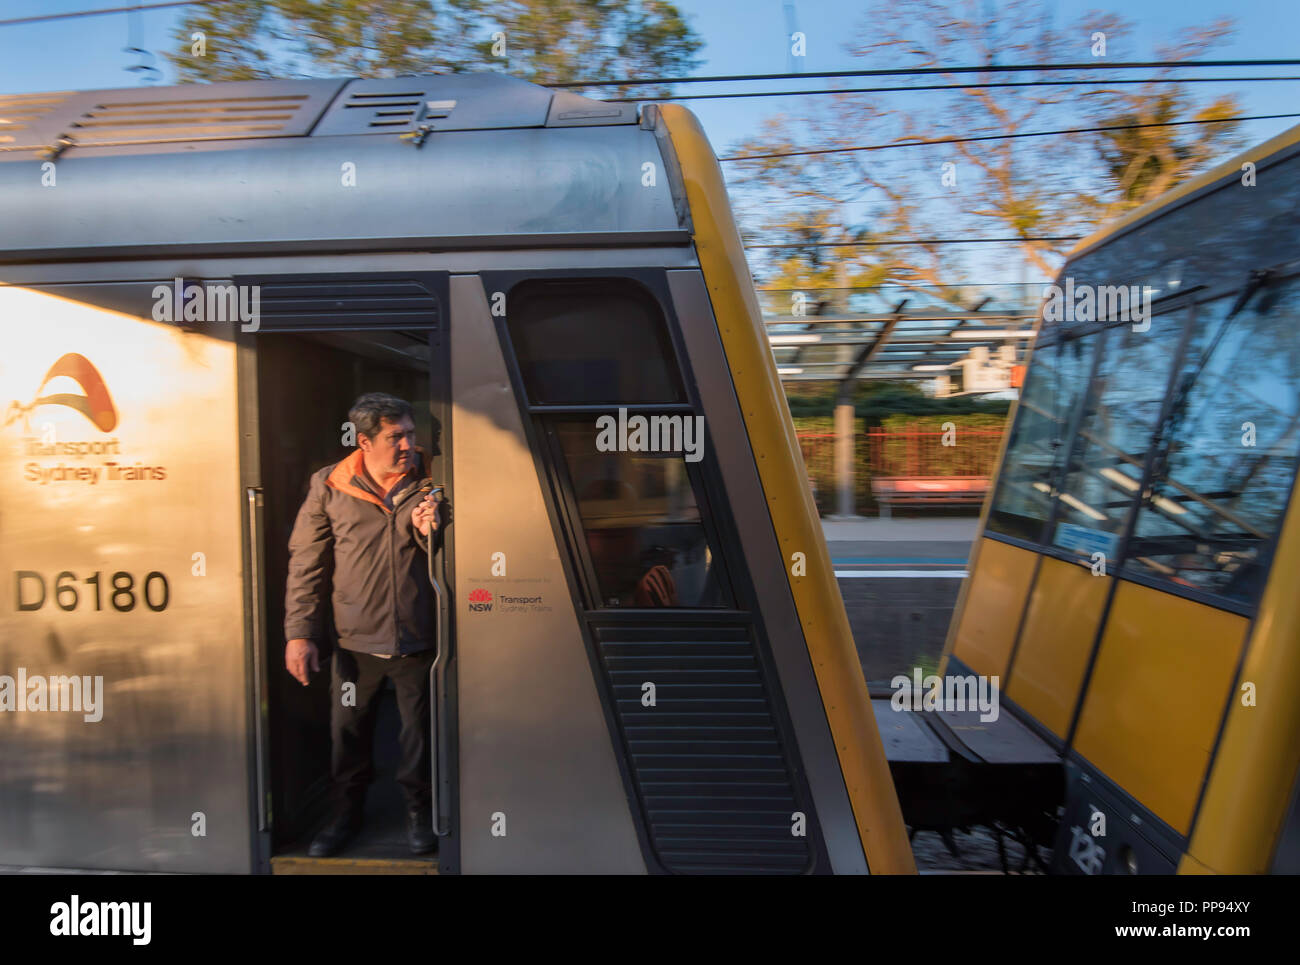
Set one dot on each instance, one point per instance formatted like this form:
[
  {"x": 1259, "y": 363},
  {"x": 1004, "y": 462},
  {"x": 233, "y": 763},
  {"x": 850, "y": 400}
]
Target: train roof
[
  {"x": 408, "y": 163},
  {"x": 1184, "y": 191}
]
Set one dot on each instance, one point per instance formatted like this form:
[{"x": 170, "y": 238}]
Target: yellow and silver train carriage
[
  {"x": 1134, "y": 581},
  {"x": 196, "y": 281}
]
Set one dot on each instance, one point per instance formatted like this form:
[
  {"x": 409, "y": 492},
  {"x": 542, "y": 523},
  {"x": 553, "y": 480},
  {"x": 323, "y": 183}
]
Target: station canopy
[{"x": 893, "y": 332}]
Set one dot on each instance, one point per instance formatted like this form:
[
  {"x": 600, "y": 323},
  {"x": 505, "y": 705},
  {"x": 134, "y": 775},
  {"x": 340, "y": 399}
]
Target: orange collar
[{"x": 342, "y": 476}]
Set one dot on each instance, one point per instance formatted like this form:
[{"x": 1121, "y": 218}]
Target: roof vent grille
[
  {"x": 145, "y": 121},
  {"x": 385, "y": 110},
  {"x": 20, "y": 115}
]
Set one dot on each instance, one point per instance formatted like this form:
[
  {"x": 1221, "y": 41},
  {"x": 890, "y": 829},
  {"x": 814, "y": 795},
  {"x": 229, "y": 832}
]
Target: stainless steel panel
[
  {"x": 470, "y": 188},
  {"x": 534, "y": 746},
  {"x": 767, "y": 569},
  {"x": 124, "y": 461}
]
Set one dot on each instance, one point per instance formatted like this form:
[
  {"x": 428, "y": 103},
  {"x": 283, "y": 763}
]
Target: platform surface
[{"x": 291, "y": 864}]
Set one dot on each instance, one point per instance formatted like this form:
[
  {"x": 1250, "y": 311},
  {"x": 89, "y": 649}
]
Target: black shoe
[
  {"x": 337, "y": 834},
  {"x": 419, "y": 831}
]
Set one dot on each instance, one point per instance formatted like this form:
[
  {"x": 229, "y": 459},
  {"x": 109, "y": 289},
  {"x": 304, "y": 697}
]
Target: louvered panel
[
  {"x": 718, "y": 862},
  {"x": 442, "y": 102},
  {"x": 21, "y": 117},
  {"x": 713, "y": 778},
  {"x": 325, "y": 303},
  {"x": 707, "y": 694},
  {"x": 688, "y": 675},
  {"x": 691, "y": 712},
  {"x": 745, "y": 800},
  {"x": 686, "y": 851},
  {"x": 368, "y": 112},
  {"x": 187, "y": 112},
  {"x": 708, "y": 784},
  {"x": 700, "y": 733},
  {"x": 726, "y": 661},
  {"x": 635, "y": 714},
  {"x": 741, "y": 851},
  {"x": 733, "y": 770},
  {"x": 198, "y": 112},
  {"x": 697, "y": 749},
  {"x": 713, "y": 638},
  {"x": 650, "y": 648}
]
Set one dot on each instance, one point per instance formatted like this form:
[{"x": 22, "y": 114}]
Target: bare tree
[{"x": 1005, "y": 184}]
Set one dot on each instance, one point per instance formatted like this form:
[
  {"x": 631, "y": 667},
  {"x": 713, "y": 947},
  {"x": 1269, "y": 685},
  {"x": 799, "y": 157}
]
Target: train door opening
[{"x": 307, "y": 381}]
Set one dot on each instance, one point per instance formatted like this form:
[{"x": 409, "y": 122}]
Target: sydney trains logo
[
  {"x": 480, "y": 600},
  {"x": 96, "y": 405}
]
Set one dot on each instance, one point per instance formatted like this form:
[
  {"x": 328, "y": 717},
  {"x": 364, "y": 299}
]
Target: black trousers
[{"x": 352, "y": 724}]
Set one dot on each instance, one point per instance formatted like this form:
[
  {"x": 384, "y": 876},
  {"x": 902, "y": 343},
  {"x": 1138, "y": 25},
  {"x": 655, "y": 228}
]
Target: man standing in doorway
[{"x": 360, "y": 538}]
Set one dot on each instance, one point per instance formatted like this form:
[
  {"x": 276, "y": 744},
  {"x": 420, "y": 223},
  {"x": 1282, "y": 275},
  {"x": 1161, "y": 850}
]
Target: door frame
[{"x": 350, "y": 310}]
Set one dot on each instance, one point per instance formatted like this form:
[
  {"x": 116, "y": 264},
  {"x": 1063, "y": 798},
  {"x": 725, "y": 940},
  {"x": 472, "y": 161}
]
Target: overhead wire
[
  {"x": 933, "y": 87},
  {"x": 916, "y": 241},
  {"x": 922, "y": 71},
  {"x": 74, "y": 14},
  {"x": 922, "y": 142}
]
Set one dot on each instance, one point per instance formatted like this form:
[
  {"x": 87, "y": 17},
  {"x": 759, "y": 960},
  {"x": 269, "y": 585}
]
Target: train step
[{"x": 295, "y": 864}]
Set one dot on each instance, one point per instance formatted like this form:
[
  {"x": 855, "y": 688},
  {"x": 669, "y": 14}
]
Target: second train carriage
[{"x": 1134, "y": 581}]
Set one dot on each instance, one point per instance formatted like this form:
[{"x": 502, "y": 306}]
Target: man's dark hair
[{"x": 372, "y": 408}]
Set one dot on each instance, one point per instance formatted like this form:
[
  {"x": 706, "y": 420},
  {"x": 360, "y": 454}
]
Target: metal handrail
[
  {"x": 254, "y": 495},
  {"x": 441, "y": 826}
]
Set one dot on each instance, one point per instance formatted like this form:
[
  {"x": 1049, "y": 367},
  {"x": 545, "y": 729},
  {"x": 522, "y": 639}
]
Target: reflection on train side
[
  {"x": 642, "y": 524},
  {"x": 126, "y": 576},
  {"x": 1135, "y": 578}
]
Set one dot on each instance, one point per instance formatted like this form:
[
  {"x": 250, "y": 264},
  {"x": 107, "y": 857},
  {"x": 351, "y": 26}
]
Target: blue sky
[
  {"x": 741, "y": 37},
  {"x": 748, "y": 36}
]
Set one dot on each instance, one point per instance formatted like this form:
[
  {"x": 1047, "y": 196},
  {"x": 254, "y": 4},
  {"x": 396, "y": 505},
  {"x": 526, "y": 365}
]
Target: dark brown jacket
[{"x": 372, "y": 557}]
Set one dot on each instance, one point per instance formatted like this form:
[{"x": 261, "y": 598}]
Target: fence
[
  {"x": 915, "y": 451},
  {"x": 921, "y": 452}
]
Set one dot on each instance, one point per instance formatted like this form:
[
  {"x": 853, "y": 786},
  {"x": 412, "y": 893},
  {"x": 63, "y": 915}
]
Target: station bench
[{"x": 893, "y": 491}]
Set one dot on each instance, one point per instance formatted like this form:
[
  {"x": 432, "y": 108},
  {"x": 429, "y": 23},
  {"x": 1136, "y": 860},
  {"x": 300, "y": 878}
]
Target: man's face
[{"x": 393, "y": 447}]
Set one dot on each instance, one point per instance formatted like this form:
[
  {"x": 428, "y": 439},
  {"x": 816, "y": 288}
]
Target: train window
[
  {"x": 641, "y": 520},
  {"x": 1110, "y": 448},
  {"x": 591, "y": 341},
  {"x": 1038, "y": 442},
  {"x": 1212, "y": 241},
  {"x": 1223, "y": 476}
]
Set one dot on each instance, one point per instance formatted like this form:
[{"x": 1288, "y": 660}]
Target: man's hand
[
  {"x": 428, "y": 514},
  {"x": 299, "y": 656},
  {"x": 657, "y": 588}
]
